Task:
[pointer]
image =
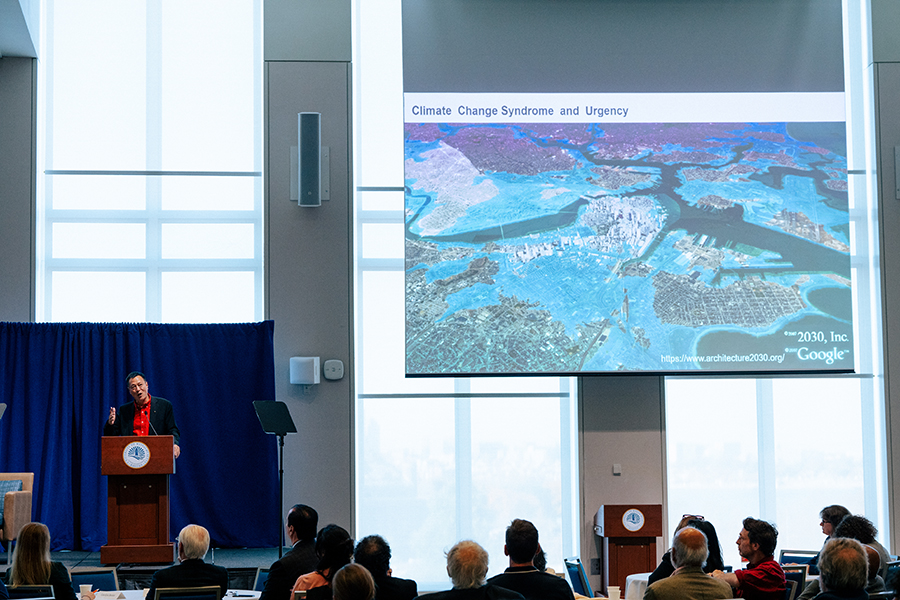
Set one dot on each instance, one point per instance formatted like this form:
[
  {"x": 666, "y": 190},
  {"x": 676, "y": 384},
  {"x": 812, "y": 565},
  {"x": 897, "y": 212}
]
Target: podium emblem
[
  {"x": 136, "y": 455},
  {"x": 633, "y": 519}
]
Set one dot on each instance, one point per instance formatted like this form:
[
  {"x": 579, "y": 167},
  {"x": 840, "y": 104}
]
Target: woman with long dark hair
[
  {"x": 334, "y": 547},
  {"x": 714, "y": 561}
]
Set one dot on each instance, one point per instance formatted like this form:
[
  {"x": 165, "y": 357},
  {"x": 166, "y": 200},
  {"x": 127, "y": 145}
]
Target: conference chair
[
  {"x": 260, "y": 582},
  {"x": 100, "y": 578},
  {"x": 15, "y": 507},
  {"x": 35, "y": 592},
  {"x": 578, "y": 578},
  {"x": 797, "y": 574},
  {"x": 790, "y": 589},
  {"x": 206, "y": 592}
]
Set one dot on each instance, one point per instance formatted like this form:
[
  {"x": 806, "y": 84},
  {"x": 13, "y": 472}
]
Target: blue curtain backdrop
[{"x": 59, "y": 380}]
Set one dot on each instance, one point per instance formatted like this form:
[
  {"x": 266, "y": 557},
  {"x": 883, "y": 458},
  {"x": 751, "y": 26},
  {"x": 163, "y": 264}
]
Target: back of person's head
[
  {"x": 843, "y": 565},
  {"x": 521, "y": 541},
  {"x": 833, "y": 514},
  {"x": 689, "y": 548},
  {"x": 762, "y": 533},
  {"x": 353, "y": 582},
  {"x": 304, "y": 519},
  {"x": 714, "y": 560},
  {"x": 856, "y": 527},
  {"x": 334, "y": 547},
  {"x": 685, "y": 520},
  {"x": 374, "y": 553},
  {"x": 193, "y": 542},
  {"x": 31, "y": 557},
  {"x": 467, "y": 565}
]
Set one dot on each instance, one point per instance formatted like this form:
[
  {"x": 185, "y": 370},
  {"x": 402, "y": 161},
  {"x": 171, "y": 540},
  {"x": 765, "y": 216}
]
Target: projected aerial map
[{"x": 603, "y": 247}]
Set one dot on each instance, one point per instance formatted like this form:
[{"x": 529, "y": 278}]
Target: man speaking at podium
[{"x": 144, "y": 416}]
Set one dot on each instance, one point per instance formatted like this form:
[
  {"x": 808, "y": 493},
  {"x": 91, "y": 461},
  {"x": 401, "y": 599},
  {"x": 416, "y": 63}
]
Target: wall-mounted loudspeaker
[{"x": 309, "y": 143}]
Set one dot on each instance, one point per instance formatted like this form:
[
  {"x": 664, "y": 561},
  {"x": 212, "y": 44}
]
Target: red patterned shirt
[
  {"x": 142, "y": 418},
  {"x": 764, "y": 581}
]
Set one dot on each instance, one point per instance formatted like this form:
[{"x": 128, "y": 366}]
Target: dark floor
[{"x": 240, "y": 562}]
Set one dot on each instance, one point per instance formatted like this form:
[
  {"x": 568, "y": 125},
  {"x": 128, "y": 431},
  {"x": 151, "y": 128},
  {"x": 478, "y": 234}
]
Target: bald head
[{"x": 690, "y": 548}]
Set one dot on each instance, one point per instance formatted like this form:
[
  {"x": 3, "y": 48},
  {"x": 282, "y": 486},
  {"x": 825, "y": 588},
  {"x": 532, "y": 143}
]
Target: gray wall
[
  {"x": 622, "y": 421},
  {"x": 308, "y": 284},
  {"x": 17, "y": 188}
]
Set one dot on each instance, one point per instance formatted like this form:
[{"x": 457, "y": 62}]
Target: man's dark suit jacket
[
  {"x": 192, "y": 572},
  {"x": 485, "y": 592},
  {"x": 162, "y": 420},
  {"x": 395, "y": 588},
  {"x": 299, "y": 560},
  {"x": 534, "y": 584}
]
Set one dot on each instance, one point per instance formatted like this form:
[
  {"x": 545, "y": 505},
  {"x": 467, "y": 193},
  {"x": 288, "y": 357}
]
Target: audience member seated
[
  {"x": 689, "y": 553},
  {"x": 300, "y": 527},
  {"x": 31, "y": 564},
  {"x": 353, "y": 582},
  {"x": 374, "y": 553},
  {"x": 843, "y": 570},
  {"x": 334, "y": 549},
  {"x": 863, "y": 531},
  {"x": 874, "y": 583},
  {"x": 714, "y": 561},
  {"x": 831, "y": 516},
  {"x": 193, "y": 543},
  {"x": 467, "y": 565},
  {"x": 763, "y": 578},
  {"x": 522, "y": 576}
]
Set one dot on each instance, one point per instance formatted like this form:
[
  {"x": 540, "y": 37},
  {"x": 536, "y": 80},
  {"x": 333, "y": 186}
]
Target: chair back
[
  {"x": 790, "y": 589},
  {"x": 206, "y": 592},
  {"x": 259, "y": 583},
  {"x": 577, "y": 577},
  {"x": 102, "y": 578},
  {"x": 27, "y": 480},
  {"x": 797, "y": 574},
  {"x": 31, "y": 591}
]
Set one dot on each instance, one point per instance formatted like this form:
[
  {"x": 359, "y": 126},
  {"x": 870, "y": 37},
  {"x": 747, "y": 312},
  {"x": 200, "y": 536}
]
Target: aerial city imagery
[{"x": 608, "y": 247}]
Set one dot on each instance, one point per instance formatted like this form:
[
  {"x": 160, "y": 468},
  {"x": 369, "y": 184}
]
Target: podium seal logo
[
  {"x": 633, "y": 519},
  {"x": 136, "y": 455}
]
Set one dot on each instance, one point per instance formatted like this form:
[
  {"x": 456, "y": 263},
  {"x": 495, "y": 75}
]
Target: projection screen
[{"x": 572, "y": 211}]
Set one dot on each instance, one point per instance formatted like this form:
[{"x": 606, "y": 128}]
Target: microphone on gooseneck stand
[{"x": 150, "y": 423}]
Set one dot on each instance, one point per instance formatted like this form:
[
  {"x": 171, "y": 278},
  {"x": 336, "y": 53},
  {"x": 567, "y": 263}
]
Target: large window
[
  {"x": 151, "y": 194},
  {"x": 457, "y": 458}
]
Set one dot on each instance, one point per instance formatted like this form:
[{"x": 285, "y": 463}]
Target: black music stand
[{"x": 275, "y": 418}]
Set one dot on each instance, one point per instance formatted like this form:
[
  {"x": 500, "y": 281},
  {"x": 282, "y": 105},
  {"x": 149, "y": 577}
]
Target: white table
[
  {"x": 636, "y": 585},
  {"x": 139, "y": 595}
]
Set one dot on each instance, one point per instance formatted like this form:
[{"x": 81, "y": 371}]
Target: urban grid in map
[{"x": 576, "y": 248}]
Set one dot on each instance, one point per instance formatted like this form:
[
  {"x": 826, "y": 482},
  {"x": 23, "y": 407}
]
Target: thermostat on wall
[{"x": 334, "y": 369}]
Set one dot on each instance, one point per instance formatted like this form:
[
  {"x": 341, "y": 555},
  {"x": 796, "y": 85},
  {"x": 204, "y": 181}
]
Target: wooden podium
[
  {"x": 137, "y": 499},
  {"x": 629, "y": 533}
]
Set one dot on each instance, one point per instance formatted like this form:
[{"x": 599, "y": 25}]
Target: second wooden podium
[{"x": 137, "y": 499}]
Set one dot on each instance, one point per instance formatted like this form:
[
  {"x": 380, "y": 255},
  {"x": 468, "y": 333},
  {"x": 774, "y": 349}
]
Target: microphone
[{"x": 150, "y": 423}]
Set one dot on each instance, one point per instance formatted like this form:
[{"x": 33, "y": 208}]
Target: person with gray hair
[
  {"x": 843, "y": 570},
  {"x": 467, "y": 566},
  {"x": 690, "y": 550},
  {"x": 193, "y": 543}
]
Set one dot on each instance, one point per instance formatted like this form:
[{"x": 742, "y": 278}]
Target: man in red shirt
[
  {"x": 144, "y": 416},
  {"x": 763, "y": 578}
]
